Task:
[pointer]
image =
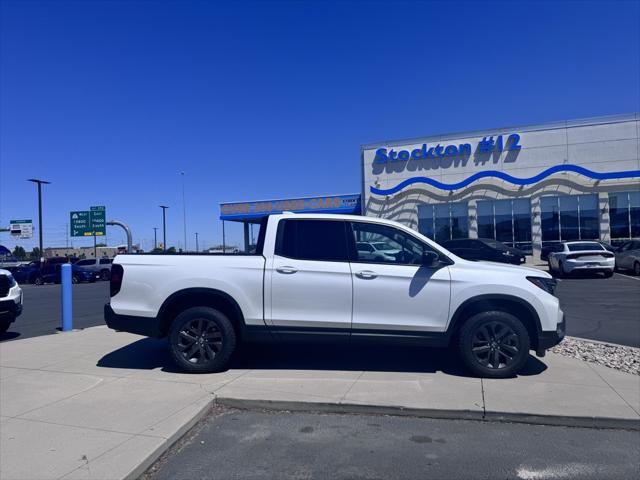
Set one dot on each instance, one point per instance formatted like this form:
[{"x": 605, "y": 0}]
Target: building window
[
  {"x": 444, "y": 221},
  {"x": 570, "y": 217},
  {"x": 508, "y": 221},
  {"x": 624, "y": 214}
]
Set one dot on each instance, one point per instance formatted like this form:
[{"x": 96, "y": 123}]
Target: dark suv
[{"x": 485, "y": 249}]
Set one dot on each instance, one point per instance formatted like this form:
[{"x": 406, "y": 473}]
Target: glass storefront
[
  {"x": 508, "y": 221},
  {"x": 624, "y": 215},
  {"x": 569, "y": 217},
  {"x": 444, "y": 221}
]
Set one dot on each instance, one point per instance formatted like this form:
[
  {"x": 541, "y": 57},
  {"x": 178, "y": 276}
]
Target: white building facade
[{"x": 525, "y": 186}]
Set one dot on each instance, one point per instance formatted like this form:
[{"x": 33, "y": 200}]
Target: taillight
[{"x": 117, "y": 272}]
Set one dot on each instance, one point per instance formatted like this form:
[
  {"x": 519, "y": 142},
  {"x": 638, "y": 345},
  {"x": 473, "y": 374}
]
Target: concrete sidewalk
[{"x": 100, "y": 404}]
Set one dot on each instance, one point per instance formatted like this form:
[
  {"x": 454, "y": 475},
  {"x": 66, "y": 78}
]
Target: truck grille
[{"x": 4, "y": 285}]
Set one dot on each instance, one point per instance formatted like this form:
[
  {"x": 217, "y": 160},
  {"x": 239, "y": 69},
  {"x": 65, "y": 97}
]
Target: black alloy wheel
[
  {"x": 494, "y": 344},
  {"x": 636, "y": 268},
  {"x": 199, "y": 341},
  {"x": 202, "y": 339}
]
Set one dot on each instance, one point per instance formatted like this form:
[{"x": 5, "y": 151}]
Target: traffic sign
[
  {"x": 86, "y": 223},
  {"x": 22, "y": 228},
  {"x": 81, "y": 224},
  {"x": 98, "y": 220}
]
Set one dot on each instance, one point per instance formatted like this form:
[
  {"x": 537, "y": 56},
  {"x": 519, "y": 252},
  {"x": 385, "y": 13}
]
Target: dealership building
[{"x": 524, "y": 186}]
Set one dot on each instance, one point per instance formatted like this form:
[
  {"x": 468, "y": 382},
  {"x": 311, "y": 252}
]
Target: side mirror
[{"x": 430, "y": 259}]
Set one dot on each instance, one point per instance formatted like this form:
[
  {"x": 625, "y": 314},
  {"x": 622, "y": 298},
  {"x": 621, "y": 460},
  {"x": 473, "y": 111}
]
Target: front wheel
[
  {"x": 38, "y": 281},
  {"x": 202, "y": 340},
  {"x": 636, "y": 268},
  {"x": 494, "y": 344}
]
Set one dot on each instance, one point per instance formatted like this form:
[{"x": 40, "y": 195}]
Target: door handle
[
  {"x": 287, "y": 270},
  {"x": 367, "y": 275}
]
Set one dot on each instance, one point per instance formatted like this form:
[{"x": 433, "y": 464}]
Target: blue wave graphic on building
[{"x": 509, "y": 178}]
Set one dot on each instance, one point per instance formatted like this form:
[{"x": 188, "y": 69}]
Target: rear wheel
[
  {"x": 494, "y": 344},
  {"x": 105, "y": 274},
  {"x": 201, "y": 340},
  {"x": 636, "y": 268},
  {"x": 608, "y": 274},
  {"x": 38, "y": 281}
]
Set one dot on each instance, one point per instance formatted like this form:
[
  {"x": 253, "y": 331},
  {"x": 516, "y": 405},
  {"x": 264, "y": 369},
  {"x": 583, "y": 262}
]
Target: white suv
[{"x": 10, "y": 300}]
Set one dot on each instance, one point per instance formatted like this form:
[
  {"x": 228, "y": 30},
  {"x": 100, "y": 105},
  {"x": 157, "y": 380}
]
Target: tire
[
  {"x": 105, "y": 275},
  {"x": 636, "y": 268},
  {"x": 561, "y": 272},
  {"x": 512, "y": 349},
  {"x": 199, "y": 355},
  {"x": 75, "y": 279},
  {"x": 608, "y": 274},
  {"x": 38, "y": 281},
  {"x": 4, "y": 326}
]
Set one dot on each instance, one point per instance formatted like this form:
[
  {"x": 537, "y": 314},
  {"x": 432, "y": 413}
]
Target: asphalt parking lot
[
  {"x": 258, "y": 444},
  {"x": 597, "y": 308}
]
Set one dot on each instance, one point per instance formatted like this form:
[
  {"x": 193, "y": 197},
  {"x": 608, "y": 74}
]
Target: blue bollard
[{"x": 67, "y": 304}]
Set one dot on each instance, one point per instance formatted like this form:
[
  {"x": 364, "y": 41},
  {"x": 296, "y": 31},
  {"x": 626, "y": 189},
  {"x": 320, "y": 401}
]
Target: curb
[
  {"x": 504, "y": 417},
  {"x": 137, "y": 472}
]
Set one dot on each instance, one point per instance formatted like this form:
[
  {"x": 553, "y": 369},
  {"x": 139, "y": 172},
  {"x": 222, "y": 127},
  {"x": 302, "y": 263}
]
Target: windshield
[{"x": 575, "y": 247}]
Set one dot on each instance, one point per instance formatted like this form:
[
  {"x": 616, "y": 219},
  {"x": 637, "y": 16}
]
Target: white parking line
[{"x": 628, "y": 276}]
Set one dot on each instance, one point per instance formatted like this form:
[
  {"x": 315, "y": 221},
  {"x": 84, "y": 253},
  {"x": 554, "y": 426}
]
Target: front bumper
[
  {"x": 147, "y": 326},
  {"x": 10, "y": 309},
  {"x": 548, "y": 339}
]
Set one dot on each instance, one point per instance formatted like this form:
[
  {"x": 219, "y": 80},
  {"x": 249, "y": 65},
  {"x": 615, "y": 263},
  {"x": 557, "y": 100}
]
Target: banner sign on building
[
  {"x": 241, "y": 211},
  {"x": 86, "y": 223},
  {"x": 21, "y": 228}
]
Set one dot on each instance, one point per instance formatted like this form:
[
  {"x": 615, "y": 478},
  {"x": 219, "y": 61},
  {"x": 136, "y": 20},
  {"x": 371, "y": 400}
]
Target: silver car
[
  {"x": 581, "y": 256},
  {"x": 101, "y": 266},
  {"x": 628, "y": 256}
]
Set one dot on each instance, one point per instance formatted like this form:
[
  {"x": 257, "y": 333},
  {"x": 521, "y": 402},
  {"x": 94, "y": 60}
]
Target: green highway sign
[
  {"x": 81, "y": 224},
  {"x": 98, "y": 220},
  {"x": 86, "y": 223}
]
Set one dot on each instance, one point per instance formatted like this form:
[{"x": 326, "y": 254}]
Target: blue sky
[{"x": 111, "y": 100}]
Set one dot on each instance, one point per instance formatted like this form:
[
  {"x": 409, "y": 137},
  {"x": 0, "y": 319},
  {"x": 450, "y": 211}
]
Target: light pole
[
  {"x": 40, "y": 182},
  {"x": 155, "y": 237},
  {"x": 197, "y": 249},
  {"x": 164, "y": 227},
  {"x": 184, "y": 213}
]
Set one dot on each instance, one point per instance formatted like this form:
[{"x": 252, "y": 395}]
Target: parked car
[
  {"x": 582, "y": 256},
  {"x": 102, "y": 266},
  {"x": 628, "y": 256},
  {"x": 27, "y": 273},
  {"x": 307, "y": 280},
  {"x": 53, "y": 274},
  {"x": 10, "y": 300},
  {"x": 376, "y": 251},
  {"x": 485, "y": 249}
]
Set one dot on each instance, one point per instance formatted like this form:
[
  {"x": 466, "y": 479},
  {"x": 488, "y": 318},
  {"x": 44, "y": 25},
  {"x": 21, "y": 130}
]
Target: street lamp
[
  {"x": 164, "y": 227},
  {"x": 40, "y": 182},
  {"x": 197, "y": 242},
  {"x": 155, "y": 237},
  {"x": 184, "y": 213}
]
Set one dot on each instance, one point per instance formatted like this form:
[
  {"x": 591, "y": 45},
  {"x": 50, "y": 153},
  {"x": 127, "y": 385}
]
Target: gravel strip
[{"x": 618, "y": 357}]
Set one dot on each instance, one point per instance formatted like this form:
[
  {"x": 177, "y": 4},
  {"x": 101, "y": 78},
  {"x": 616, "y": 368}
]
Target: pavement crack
[{"x": 350, "y": 387}]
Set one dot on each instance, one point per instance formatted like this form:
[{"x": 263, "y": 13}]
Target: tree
[
  {"x": 35, "y": 254},
  {"x": 156, "y": 250},
  {"x": 171, "y": 250},
  {"x": 19, "y": 253}
]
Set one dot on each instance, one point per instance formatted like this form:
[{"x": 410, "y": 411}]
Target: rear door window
[{"x": 324, "y": 240}]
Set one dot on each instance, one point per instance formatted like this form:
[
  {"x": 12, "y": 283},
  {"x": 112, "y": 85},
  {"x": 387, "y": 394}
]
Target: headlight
[{"x": 546, "y": 284}]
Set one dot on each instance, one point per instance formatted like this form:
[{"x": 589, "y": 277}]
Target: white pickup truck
[{"x": 308, "y": 280}]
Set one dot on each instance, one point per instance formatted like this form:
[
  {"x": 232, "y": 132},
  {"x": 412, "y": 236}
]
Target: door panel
[
  {"x": 400, "y": 297},
  {"x": 310, "y": 294}
]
